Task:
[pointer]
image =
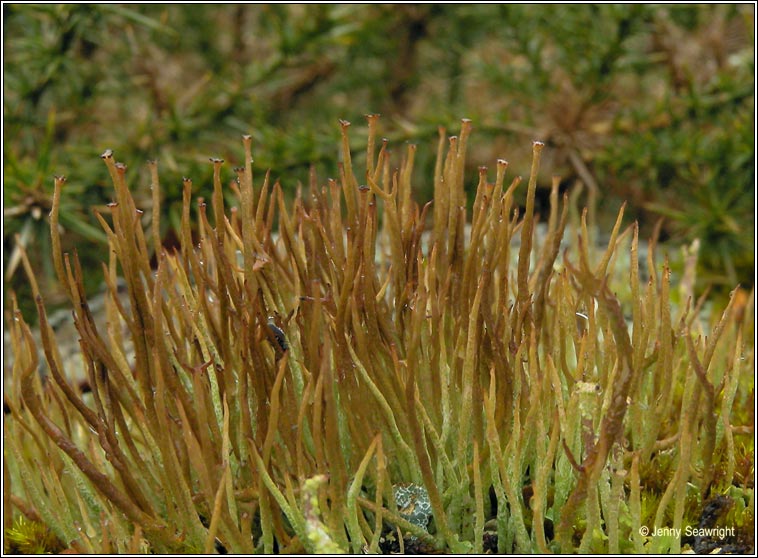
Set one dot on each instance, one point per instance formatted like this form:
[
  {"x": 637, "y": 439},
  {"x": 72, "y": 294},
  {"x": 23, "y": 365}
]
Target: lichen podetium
[{"x": 536, "y": 396}]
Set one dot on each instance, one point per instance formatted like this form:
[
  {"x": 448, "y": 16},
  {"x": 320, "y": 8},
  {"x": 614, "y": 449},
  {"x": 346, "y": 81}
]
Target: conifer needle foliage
[{"x": 351, "y": 369}]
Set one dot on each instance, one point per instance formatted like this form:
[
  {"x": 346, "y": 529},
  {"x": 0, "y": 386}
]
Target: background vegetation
[{"x": 650, "y": 104}]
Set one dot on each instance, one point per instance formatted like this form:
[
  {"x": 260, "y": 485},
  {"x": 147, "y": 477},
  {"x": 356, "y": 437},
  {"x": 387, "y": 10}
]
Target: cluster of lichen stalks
[{"x": 500, "y": 379}]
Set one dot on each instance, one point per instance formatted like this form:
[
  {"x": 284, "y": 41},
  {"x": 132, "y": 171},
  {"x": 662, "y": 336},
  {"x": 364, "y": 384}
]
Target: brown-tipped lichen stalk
[{"x": 352, "y": 379}]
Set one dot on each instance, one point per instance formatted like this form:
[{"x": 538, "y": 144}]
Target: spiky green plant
[
  {"x": 30, "y": 537},
  {"x": 286, "y": 387}
]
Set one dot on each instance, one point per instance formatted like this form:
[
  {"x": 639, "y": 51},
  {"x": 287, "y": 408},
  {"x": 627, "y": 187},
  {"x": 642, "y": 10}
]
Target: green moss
[{"x": 30, "y": 537}]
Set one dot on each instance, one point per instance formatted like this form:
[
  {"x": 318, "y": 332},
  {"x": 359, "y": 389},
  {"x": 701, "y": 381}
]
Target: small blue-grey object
[
  {"x": 413, "y": 503},
  {"x": 279, "y": 334}
]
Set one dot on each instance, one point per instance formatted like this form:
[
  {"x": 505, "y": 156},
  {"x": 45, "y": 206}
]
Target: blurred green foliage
[{"x": 650, "y": 104}]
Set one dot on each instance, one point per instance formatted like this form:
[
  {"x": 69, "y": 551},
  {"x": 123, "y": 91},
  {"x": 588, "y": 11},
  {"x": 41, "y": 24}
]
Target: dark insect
[{"x": 279, "y": 334}]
